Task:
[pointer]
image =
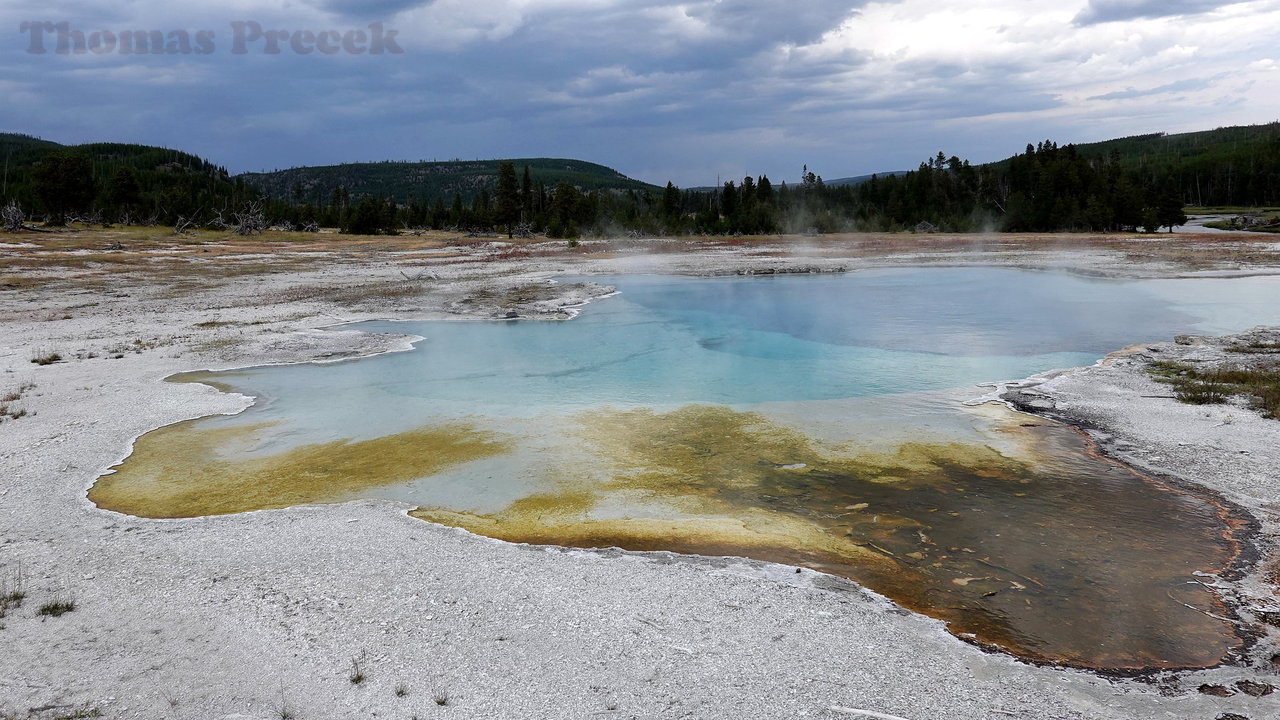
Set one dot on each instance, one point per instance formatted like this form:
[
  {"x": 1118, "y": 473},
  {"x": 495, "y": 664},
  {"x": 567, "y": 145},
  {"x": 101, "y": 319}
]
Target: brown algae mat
[{"x": 1077, "y": 560}]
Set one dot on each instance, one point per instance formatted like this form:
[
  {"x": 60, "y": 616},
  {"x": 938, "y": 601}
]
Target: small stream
[{"x": 1196, "y": 226}]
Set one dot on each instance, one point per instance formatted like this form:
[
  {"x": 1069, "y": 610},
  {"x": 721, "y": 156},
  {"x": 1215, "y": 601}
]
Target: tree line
[
  {"x": 1115, "y": 186},
  {"x": 110, "y": 182}
]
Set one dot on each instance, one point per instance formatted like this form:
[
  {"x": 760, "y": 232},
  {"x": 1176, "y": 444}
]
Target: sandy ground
[{"x": 269, "y": 614}]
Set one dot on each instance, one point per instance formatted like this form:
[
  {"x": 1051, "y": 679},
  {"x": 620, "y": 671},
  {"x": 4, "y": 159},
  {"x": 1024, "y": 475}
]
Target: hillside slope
[
  {"x": 427, "y": 181},
  {"x": 169, "y": 182},
  {"x": 1237, "y": 165}
]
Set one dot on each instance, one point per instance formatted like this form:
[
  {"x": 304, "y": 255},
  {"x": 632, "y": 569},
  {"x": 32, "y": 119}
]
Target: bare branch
[
  {"x": 12, "y": 217},
  {"x": 250, "y": 220}
]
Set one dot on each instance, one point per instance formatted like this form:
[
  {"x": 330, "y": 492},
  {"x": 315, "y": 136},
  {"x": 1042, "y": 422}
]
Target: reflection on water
[{"x": 775, "y": 418}]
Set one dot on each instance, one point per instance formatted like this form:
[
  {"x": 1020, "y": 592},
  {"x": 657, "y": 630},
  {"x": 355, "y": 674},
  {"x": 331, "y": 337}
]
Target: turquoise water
[
  {"x": 873, "y": 356},
  {"x": 666, "y": 341}
]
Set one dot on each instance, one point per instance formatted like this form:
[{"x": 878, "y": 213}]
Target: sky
[{"x": 696, "y": 92}]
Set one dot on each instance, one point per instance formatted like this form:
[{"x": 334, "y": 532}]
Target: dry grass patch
[
  {"x": 56, "y": 608},
  {"x": 8, "y": 411},
  {"x": 46, "y": 357},
  {"x": 351, "y": 294},
  {"x": 1260, "y": 385}
]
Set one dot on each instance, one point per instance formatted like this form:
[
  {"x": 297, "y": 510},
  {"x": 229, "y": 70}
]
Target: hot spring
[{"x": 811, "y": 420}]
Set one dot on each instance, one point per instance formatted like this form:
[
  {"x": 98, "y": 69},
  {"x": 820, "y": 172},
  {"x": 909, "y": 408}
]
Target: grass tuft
[
  {"x": 11, "y": 599},
  {"x": 1213, "y": 386},
  {"x": 357, "y": 673},
  {"x": 284, "y": 712},
  {"x": 12, "y": 593},
  {"x": 56, "y": 608},
  {"x": 44, "y": 357}
]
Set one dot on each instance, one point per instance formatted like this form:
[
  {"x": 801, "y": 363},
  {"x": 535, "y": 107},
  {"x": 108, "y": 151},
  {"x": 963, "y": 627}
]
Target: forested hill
[
  {"x": 427, "y": 182},
  {"x": 858, "y": 180},
  {"x": 144, "y": 180},
  {"x": 1169, "y": 147},
  {"x": 1227, "y": 166},
  {"x": 1124, "y": 184},
  {"x": 22, "y": 150}
]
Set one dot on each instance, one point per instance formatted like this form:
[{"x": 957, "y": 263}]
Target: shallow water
[
  {"x": 801, "y": 419},
  {"x": 1042, "y": 549}
]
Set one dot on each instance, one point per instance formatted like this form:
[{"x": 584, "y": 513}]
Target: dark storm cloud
[
  {"x": 1103, "y": 11},
  {"x": 1179, "y": 86},
  {"x": 659, "y": 88},
  {"x": 766, "y": 22},
  {"x": 373, "y": 9}
]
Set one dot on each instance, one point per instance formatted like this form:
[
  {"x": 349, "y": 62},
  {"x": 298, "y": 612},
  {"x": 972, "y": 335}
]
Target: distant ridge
[
  {"x": 25, "y": 150},
  {"x": 1188, "y": 144},
  {"x": 1187, "y": 150},
  {"x": 838, "y": 182},
  {"x": 858, "y": 180},
  {"x": 428, "y": 181}
]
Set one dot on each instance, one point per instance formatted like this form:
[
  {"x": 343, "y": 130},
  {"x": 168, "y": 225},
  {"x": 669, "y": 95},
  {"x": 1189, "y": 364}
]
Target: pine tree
[
  {"x": 123, "y": 191},
  {"x": 764, "y": 190},
  {"x": 564, "y": 205},
  {"x": 670, "y": 201},
  {"x": 729, "y": 201},
  {"x": 457, "y": 214},
  {"x": 439, "y": 215},
  {"x": 526, "y": 196},
  {"x": 368, "y": 217},
  {"x": 508, "y": 211},
  {"x": 1169, "y": 208},
  {"x": 63, "y": 182}
]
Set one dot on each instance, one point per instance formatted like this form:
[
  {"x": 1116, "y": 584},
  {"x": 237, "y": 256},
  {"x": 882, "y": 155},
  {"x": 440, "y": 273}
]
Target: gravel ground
[{"x": 274, "y": 614}]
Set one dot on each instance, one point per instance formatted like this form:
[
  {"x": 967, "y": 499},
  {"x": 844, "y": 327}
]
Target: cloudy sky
[{"x": 688, "y": 91}]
